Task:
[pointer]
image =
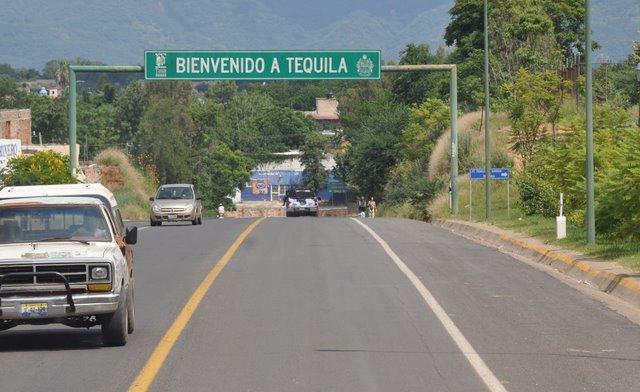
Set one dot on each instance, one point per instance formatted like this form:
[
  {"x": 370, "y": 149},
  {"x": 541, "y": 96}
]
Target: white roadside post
[{"x": 561, "y": 222}]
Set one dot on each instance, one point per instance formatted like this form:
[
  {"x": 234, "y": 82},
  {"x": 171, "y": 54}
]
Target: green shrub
[
  {"x": 409, "y": 190},
  {"x": 537, "y": 195},
  {"x": 41, "y": 168},
  {"x": 559, "y": 167},
  {"x": 617, "y": 201},
  {"x": 500, "y": 158}
]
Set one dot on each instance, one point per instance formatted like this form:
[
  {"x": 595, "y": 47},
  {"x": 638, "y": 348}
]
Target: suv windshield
[
  {"x": 174, "y": 192},
  {"x": 53, "y": 223}
]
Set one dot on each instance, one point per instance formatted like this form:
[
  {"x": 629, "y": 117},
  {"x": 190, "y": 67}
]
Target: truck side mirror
[{"x": 131, "y": 236}]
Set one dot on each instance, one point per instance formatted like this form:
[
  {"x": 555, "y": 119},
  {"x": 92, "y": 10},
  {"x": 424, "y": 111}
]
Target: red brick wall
[{"x": 16, "y": 124}]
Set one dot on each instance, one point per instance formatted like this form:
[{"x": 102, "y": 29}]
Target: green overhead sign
[{"x": 261, "y": 65}]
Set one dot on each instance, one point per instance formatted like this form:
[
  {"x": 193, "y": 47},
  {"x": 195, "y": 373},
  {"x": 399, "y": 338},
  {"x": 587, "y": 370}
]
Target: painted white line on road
[{"x": 483, "y": 371}]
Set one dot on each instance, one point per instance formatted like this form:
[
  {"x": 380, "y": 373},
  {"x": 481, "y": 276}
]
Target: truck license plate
[
  {"x": 34, "y": 310},
  {"x": 172, "y": 216}
]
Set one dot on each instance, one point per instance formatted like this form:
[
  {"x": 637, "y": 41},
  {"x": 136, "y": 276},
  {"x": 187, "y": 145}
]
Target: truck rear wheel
[{"x": 115, "y": 325}]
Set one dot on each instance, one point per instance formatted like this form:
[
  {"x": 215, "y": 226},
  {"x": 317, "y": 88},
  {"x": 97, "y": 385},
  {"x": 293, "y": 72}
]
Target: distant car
[
  {"x": 176, "y": 203},
  {"x": 301, "y": 202}
]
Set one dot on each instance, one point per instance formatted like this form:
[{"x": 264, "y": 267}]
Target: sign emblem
[
  {"x": 161, "y": 65},
  {"x": 364, "y": 66}
]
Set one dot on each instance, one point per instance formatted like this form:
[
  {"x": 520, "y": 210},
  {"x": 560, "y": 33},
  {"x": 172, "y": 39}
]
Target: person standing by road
[
  {"x": 372, "y": 208},
  {"x": 221, "y": 211},
  {"x": 362, "y": 207}
]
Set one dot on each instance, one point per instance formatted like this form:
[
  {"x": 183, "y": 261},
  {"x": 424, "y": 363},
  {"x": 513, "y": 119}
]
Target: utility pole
[
  {"x": 487, "y": 132},
  {"x": 591, "y": 215},
  {"x": 638, "y": 80}
]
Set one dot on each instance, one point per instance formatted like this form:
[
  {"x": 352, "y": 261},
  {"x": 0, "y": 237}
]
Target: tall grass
[{"x": 133, "y": 188}]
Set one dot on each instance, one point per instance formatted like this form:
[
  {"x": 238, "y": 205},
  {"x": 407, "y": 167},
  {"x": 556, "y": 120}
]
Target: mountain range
[{"x": 118, "y": 31}]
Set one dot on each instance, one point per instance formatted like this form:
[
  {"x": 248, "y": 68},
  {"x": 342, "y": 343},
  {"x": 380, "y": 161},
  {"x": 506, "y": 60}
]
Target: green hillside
[{"x": 118, "y": 31}]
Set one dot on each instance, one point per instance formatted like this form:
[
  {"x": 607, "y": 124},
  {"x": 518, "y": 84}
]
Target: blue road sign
[
  {"x": 477, "y": 174},
  {"x": 496, "y": 174},
  {"x": 500, "y": 173}
]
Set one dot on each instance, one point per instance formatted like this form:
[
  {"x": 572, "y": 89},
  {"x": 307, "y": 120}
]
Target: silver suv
[{"x": 176, "y": 203}]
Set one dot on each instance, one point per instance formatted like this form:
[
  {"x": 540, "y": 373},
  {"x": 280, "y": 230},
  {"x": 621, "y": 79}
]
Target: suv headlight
[
  {"x": 189, "y": 207},
  {"x": 99, "y": 273},
  {"x": 156, "y": 208}
]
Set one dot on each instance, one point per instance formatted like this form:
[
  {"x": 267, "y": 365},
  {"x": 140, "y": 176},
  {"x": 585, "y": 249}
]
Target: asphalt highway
[{"x": 313, "y": 304}]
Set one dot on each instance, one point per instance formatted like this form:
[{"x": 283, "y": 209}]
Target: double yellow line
[{"x": 148, "y": 374}]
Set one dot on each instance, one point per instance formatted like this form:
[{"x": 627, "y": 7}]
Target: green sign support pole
[
  {"x": 453, "y": 100},
  {"x": 73, "y": 98},
  {"x": 487, "y": 131},
  {"x": 591, "y": 214},
  {"x": 72, "y": 121}
]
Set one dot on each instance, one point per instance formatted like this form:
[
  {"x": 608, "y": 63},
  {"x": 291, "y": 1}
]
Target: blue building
[{"x": 270, "y": 182}]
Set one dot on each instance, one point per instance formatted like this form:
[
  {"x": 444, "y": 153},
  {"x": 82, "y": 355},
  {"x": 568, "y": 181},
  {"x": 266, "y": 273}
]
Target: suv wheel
[{"x": 115, "y": 325}]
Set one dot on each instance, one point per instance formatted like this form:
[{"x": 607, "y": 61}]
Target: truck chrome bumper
[{"x": 57, "y": 305}]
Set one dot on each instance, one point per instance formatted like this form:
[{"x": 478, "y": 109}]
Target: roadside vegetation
[
  {"x": 41, "y": 168},
  {"x": 131, "y": 185}
]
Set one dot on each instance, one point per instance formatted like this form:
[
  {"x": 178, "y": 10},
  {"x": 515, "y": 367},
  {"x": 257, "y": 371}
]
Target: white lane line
[{"x": 483, "y": 371}]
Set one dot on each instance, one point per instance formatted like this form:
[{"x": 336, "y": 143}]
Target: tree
[
  {"x": 130, "y": 106},
  {"x": 162, "y": 137},
  {"x": 222, "y": 91},
  {"x": 48, "y": 118},
  {"x": 107, "y": 89},
  {"x": 427, "y": 122},
  {"x": 258, "y": 127},
  {"x": 41, "y": 168},
  {"x": 96, "y": 127},
  {"x": 415, "y": 87},
  {"x": 8, "y": 92},
  {"x": 373, "y": 130},
  {"x": 312, "y": 154},
  {"x": 219, "y": 173},
  {"x": 61, "y": 73},
  {"x": 532, "y": 99},
  {"x": 206, "y": 115},
  {"x": 530, "y": 34}
]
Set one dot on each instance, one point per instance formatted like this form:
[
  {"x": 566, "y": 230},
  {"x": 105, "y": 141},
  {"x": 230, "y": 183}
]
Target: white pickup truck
[{"x": 65, "y": 257}]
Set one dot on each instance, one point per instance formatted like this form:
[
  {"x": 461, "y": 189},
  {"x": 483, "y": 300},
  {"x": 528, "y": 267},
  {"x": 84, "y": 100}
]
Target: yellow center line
[{"x": 148, "y": 374}]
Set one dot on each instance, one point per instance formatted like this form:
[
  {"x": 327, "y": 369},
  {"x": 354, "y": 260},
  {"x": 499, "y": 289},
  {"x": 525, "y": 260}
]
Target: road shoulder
[{"x": 606, "y": 276}]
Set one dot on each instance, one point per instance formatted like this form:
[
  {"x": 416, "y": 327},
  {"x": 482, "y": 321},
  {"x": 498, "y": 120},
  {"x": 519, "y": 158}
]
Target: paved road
[{"x": 317, "y": 305}]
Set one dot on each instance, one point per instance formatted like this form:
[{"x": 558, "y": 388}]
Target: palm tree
[{"x": 61, "y": 73}]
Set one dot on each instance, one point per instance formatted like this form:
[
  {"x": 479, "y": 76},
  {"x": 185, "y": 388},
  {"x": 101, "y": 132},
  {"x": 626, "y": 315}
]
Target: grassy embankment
[
  {"x": 625, "y": 252},
  {"x": 130, "y": 186}
]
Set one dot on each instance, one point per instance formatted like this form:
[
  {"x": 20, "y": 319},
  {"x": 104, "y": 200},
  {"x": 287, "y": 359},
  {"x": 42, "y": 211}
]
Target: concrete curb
[{"x": 608, "y": 277}]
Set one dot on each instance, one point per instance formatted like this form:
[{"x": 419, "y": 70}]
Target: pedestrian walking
[
  {"x": 221, "y": 211},
  {"x": 362, "y": 207},
  {"x": 372, "y": 208}
]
